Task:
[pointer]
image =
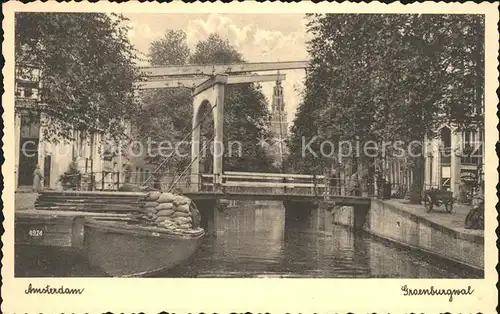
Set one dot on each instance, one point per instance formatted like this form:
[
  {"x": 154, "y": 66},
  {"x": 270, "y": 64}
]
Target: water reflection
[
  {"x": 260, "y": 242},
  {"x": 257, "y": 241}
]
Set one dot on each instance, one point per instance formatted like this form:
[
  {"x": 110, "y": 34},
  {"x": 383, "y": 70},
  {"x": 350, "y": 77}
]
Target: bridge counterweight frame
[{"x": 212, "y": 90}]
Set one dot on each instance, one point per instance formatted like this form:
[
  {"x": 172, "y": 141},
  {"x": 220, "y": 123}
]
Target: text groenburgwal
[{"x": 437, "y": 291}]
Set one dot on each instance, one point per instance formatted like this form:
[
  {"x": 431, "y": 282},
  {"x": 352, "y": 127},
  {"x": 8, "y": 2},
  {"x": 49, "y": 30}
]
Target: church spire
[
  {"x": 278, "y": 103},
  {"x": 278, "y": 123}
]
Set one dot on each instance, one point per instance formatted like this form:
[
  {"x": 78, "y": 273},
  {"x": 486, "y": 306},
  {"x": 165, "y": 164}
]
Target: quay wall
[{"x": 393, "y": 223}]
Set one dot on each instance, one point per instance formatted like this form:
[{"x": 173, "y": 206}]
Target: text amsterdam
[{"x": 49, "y": 290}]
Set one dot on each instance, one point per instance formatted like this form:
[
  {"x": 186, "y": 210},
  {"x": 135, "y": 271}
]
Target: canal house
[
  {"x": 454, "y": 159},
  {"x": 88, "y": 154}
]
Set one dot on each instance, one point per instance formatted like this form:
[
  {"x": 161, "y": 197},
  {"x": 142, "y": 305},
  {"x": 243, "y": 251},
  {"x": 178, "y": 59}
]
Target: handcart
[{"x": 437, "y": 197}]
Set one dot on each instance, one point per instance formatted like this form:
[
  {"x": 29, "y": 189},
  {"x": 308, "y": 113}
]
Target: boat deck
[{"x": 66, "y": 229}]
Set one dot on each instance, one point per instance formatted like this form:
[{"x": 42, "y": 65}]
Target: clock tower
[{"x": 278, "y": 123}]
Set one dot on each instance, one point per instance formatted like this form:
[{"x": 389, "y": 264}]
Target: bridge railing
[
  {"x": 233, "y": 182},
  {"x": 285, "y": 184},
  {"x": 246, "y": 182},
  {"x": 273, "y": 188},
  {"x": 348, "y": 187},
  {"x": 266, "y": 183}
]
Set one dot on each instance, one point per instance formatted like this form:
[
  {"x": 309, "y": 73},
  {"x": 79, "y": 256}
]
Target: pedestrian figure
[
  {"x": 355, "y": 185},
  {"x": 37, "y": 179}
]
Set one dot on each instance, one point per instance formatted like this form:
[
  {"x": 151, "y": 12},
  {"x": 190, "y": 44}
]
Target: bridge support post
[
  {"x": 296, "y": 211},
  {"x": 355, "y": 217},
  {"x": 194, "y": 183},
  {"x": 206, "y": 208},
  {"x": 342, "y": 183},
  {"x": 209, "y": 92},
  {"x": 218, "y": 140},
  {"x": 361, "y": 218},
  {"x": 315, "y": 216}
]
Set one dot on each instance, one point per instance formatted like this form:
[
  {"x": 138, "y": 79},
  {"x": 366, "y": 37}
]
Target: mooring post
[{"x": 314, "y": 186}]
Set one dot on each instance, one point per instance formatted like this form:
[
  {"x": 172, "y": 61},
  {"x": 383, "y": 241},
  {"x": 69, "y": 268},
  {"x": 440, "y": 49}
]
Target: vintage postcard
[{"x": 249, "y": 157}]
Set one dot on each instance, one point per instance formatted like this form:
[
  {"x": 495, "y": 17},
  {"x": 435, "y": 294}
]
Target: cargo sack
[
  {"x": 167, "y": 224},
  {"x": 180, "y": 214},
  {"x": 178, "y": 220},
  {"x": 149, "y": 210},
  {"x": 165, "y": 213},
  {"x": 160, "y": 219},
  {"x": 165, "y": 206},
  {"x": 184, "y": 226},
  {"x": 152, "y": 196},
  {"x": 168, "y": 221},
  {"x": 182, "y": 220},
  {"x": 193, "y": 230},
  {"x": 181, "y": 200},
  {"x": 165, "y": 198},
  {"x": 182, "y": 208},
  {"x": 150, "y": 204}
]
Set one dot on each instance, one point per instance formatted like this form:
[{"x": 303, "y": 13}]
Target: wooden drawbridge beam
[
  {"x": 211, "y": 70},
  {"x": 197, "y": 81}
]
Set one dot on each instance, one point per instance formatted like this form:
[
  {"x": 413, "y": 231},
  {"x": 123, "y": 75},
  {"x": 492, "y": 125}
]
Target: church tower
[{"x": 278, "y": 123}]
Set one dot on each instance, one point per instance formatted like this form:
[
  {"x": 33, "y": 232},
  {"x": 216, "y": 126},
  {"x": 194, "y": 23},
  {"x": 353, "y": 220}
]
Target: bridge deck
[{"x": 338, "y": 199}]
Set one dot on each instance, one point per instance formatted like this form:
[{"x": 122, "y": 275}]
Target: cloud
[
  {"x": 141, "y": 35},
  {"x": 142, "y": 31},
  {"x": 260, "y": 38},
  {"x": 255, "y": 42},
  {"x": 258, "y": 44},
  {"x": 200, "y": 29}
]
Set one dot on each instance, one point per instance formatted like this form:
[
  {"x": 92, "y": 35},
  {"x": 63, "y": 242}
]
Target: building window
[
  {"x": 445, "y": 146},
  {"x": 17, "y": 91},
  {"x": 430, "y": 170},
  {"x": 77, "y": 145},
  {"x": 28, "y": 92},
  {"x": 30, "y": 126},
  {"x": 471, "y": 148}
]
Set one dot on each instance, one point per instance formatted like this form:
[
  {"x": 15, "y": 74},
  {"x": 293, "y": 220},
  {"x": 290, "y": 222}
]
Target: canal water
[{"x": 257, "y": 241}]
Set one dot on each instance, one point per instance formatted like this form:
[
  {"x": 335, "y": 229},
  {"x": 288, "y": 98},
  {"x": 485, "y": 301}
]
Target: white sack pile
[{"x": 168, "y": 210}]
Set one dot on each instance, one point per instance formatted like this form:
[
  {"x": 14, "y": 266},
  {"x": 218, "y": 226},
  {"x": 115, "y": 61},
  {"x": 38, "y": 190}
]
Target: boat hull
[{"x": 125, "y": 251}]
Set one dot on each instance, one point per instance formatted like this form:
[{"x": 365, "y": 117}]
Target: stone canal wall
[{"x": 390, "y": 221}]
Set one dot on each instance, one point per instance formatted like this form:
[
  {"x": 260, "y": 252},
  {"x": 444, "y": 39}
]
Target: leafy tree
[
  {"x": 245, "y": 111},
  {"x": 162, "y": 117},
  {"x": 215, "y": 50},
  {"x": 71, "y": 178},
  {"x": 164, "y": 112},
  {"x": 171, "y": 49},
  {"x": 386, "y": 78},
  {"x": 87, "y": 71}
]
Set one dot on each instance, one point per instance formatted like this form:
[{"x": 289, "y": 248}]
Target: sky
[{"x": 258, "y": 37}]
